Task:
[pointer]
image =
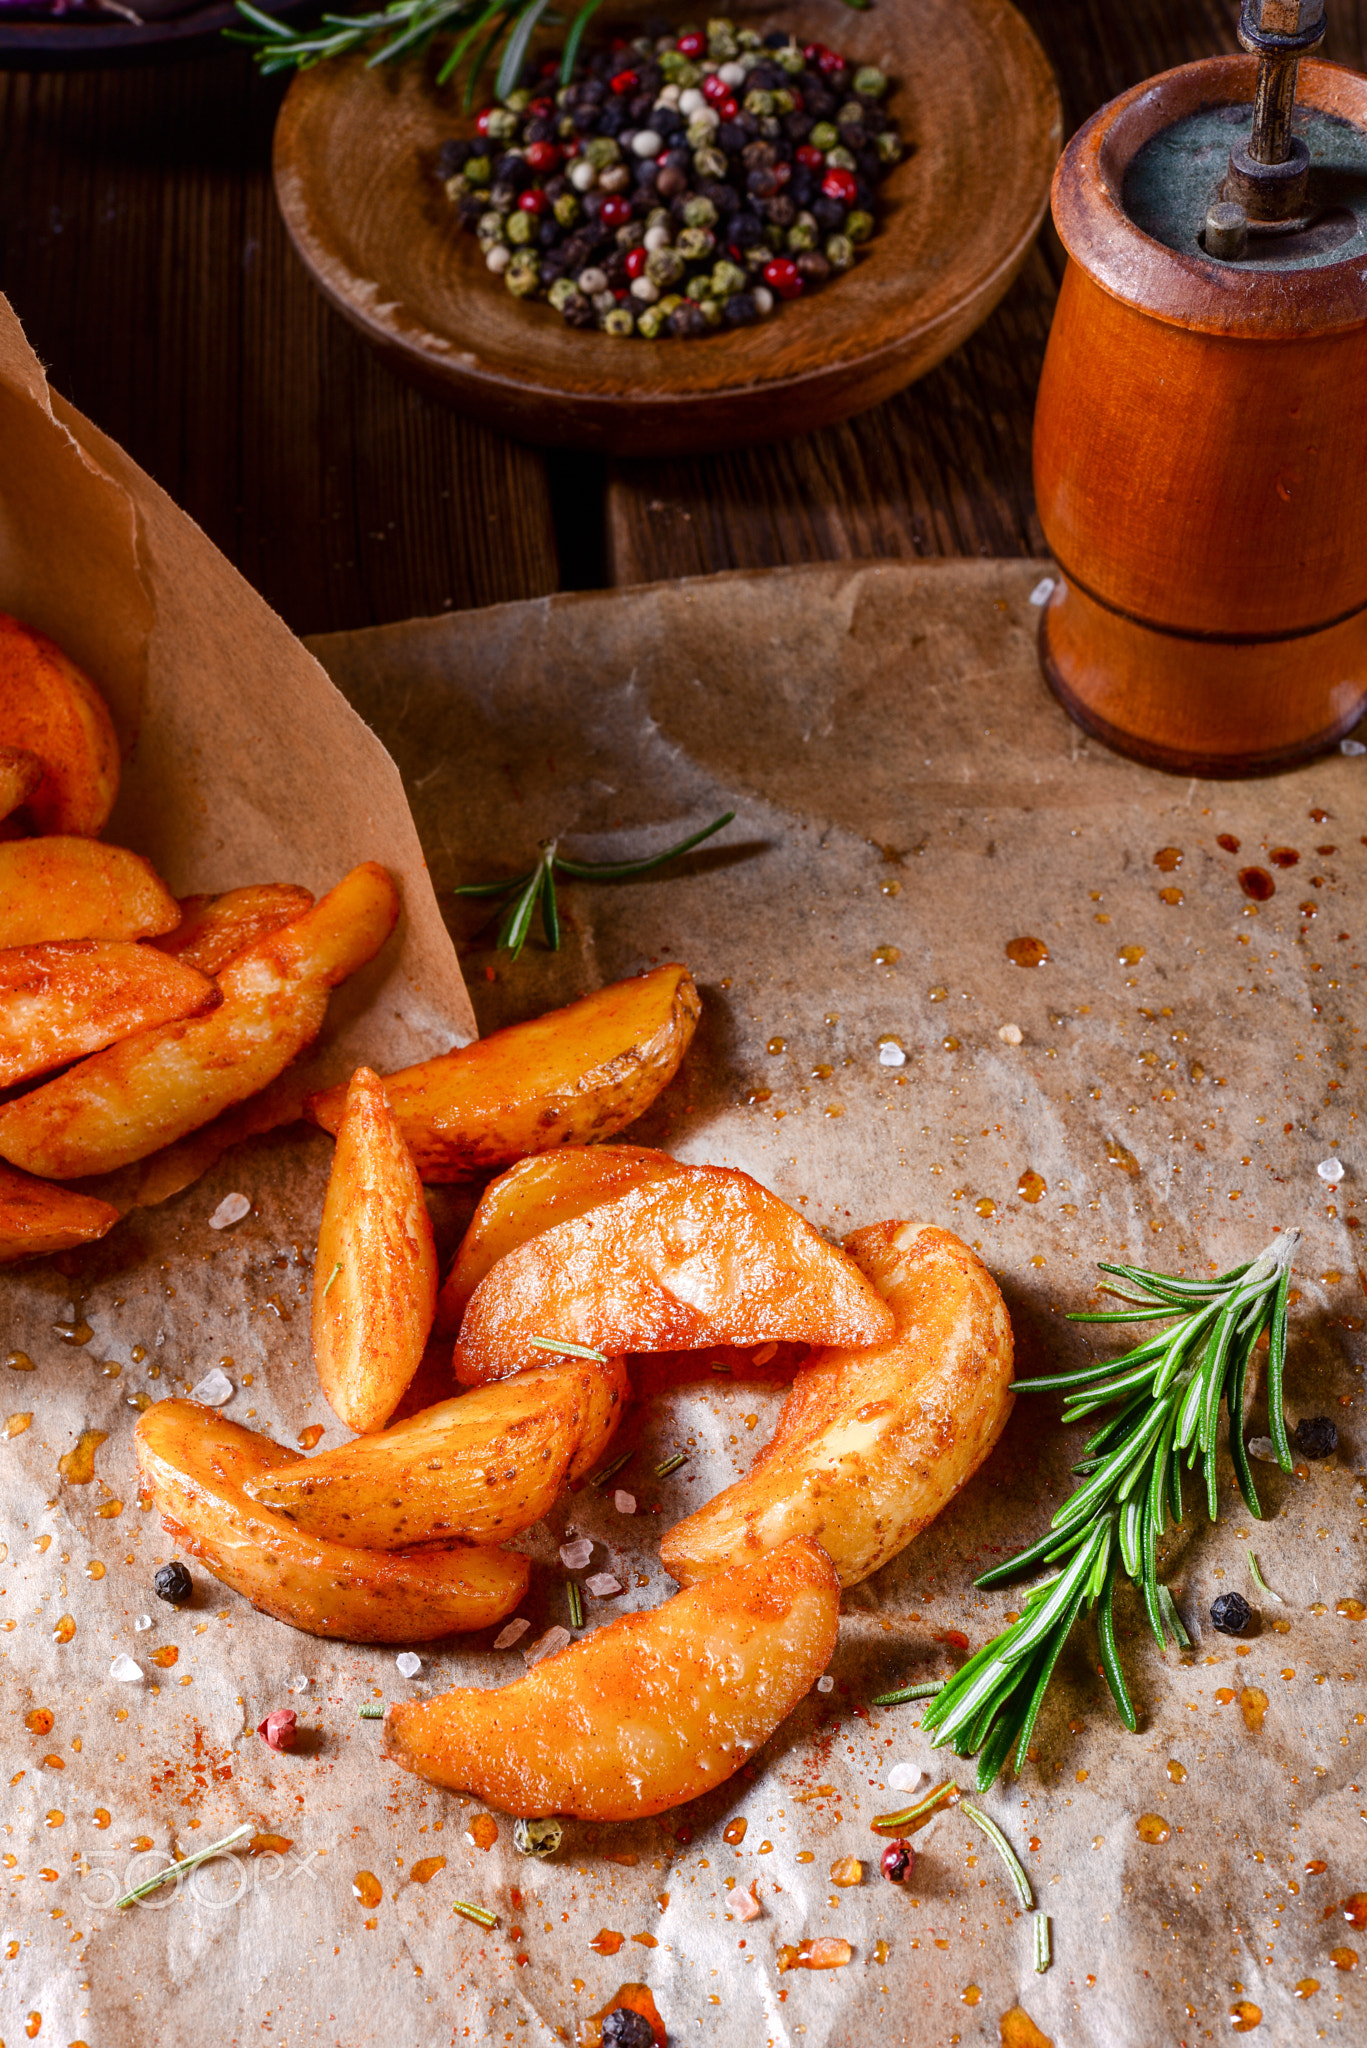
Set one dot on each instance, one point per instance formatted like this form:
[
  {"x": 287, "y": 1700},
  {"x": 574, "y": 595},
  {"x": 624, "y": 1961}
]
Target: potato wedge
[
  {"x": 214, "y": 929},
  {"x": 69, "y": 997},
  {"x": 375, "y": 1276},
  {"x": 644, "y": 1713},
  {"x": 36, "y": 1218},
  {"x": 50, "y": 709},
  {"x": 195, "y": 1465},
  {"x": 69, "y": 888},
  {"x": 134, "y": 1097},
  {"x": 583, "y": 1072},
  {"x": 20, "y": 774},
  {"x": 476, "y": 1469},
  {"x": 872, "y": 1444},
  {"x": 707, "y": 1256},
  {"x": 549, "y": 1188}
]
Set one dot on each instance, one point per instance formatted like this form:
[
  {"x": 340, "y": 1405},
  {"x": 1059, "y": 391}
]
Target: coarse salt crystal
[
  {"x": 214, "y": 1389},
  {"x": 1264, "y": 1448},
  {"x": 603, "y": 1585},
  {"x": 1010, "y": 1034},
  {"x": 575, "y": 1554},
  {"x": 299, "y": 1683},
  {"x": 826, "y": 1684},
  {"x": 409, "y": 1663},
  {"x": 230, "y": 1210},
  {"x": 890, "y": 1054},
  {"x": 1042, "y": 591},
  {"x": 624, "y": 1502},
  {"x": 1331, "y": 1170},
  {"x": 513, "y": 1633},
  {"x": 143, "y": 1621},
  {"x": 125, "y": 1669},
  {"x": 546, "y": 1646},
  {"x": 1352, "y": 747},
  {"x": 747, "y": 1907},
  {"x": 904, "y": 1777}
]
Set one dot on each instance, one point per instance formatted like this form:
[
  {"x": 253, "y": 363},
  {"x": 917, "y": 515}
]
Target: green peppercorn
[
  {"x": 565, "y": 128},
  {"x": 870, "y": 81},
  {"x": 566, "y": 94},
  {"x": 537, "y": 1837},
  {"x": 567, "y": 209},
  {"x": 727, "y": 277},
  {"x": 699, "y": 212},
  {"x": 561, "y": 292},
  {"x": 698, "y": 135},
  {"x": 803, "y": 234},
  {"x": 842, "y": 157},
  {"x": 791, "y": 60},
  {"x": 825, "y": 135},
  {"x": 517, "y": 102},
  {"x": 688, "y": 74},
  {"x": 602, "y": 150},
  {"x": 501, "y": 125},
  {"x": 490, "y": 227},
  {"x": 713, "y": 311},
  {"x": 759, "y": 103},
  {"x": 840, "y": 252},
  {"x": 710, "y": 163},
  {"x": 665, "y": 267},
  {"x": 456, "y": 188},
  {"x": 478, "y": 171},
  {"x": 660, "y": 217},
  {"x": 773, "y": 237},
  {"x": 721, "y": 40},
  {"x": 695, "y": 243},
  {"x": 651, "y": 321},
  {"x": 783, "y": 101},
  {"x": 698, "y": 288},
  {"x": 859, "y": 226},
  {"x": 757, "y": 256},
  {"x": 749, "y": 39},
  {"x": 672, "y": 62},
  {"x": 889, "y": 146},
  {"x": 618, "y": 322},
  {"x": 523, "y": 275},
  {"x": 520, "y": 228},
  {"x": 851, "y": 115},
  {"x": 670, "y": 303}
]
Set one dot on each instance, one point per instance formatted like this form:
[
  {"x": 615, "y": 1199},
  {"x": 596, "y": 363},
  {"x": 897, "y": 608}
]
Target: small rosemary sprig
[
  {"x": 1172, "y": 1386},
  {"x": 537, "y": 886},
  {"x": 406, "y": 27},
  {"x": 152, "y": 1884}
]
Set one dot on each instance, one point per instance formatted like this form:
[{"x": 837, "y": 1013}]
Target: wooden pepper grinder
[{"x": 1201, "y": 431}]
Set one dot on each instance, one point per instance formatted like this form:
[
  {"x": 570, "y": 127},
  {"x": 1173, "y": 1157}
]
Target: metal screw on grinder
[{"x": 1226, "y": 231}]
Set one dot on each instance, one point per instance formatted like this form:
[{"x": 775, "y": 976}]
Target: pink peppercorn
[
  {"x": 482, "y": 120},
  {"x": 278, "y": 1729},
  {"x": 541, "y": 110},
  {"x": 812, "y": 158},
  {"x": 616, "y": 212},
  {"x": 727, "y": 110},
  {"x": 898, "y": 1862},
  {"x": 543, "y": 156},
  {"x": 715, "y": 89},
  {"x": 625, "y": 81},
  {"x": 838, "y": 183},
  {"x": 636, "y": 262},
  {"x": 784, "y": 277},
  {"x": 533, "y": 201},
  {"x": 692, "y": 45}
]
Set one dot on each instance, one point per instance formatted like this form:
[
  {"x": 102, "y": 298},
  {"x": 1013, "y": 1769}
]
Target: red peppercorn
[
  {"x": 784, "y": 277},
  {"x": 543, "y": 156},
  {"x": 715, "y": 89},
  {"x": 616, "y": 212},
  {"x": 812, "y": 158},
  {"x": 277, "y": 1731},
  {"x": 838, "y": 183},
  {"x": 636, "y": 262},
  {"x": 533, "y": 201},
  {"x": 898, "y": 1862},
  {"x": 625, "y": 81},
  {"x": 813, "y": 52},
  {"x": 541, "y": 110},
  {"x": 830, "y": 61},
  {"x": 727, "y": 110},
  {"x": 782, "y": 172},
  {"x": 692, "y": 45},
  {"x": 482, "y": 120}
]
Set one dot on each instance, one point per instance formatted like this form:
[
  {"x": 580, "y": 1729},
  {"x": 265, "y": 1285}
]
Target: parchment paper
[{"x": 902, "y": 781}]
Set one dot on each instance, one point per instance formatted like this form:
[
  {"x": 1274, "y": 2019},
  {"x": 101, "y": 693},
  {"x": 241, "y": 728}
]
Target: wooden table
[{"x": 140, "y": 245}]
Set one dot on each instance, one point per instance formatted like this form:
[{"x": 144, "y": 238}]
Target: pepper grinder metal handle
[{"x": 1269, "y": 175}]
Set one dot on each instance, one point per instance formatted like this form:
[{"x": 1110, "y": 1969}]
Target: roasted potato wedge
[
  {"x": 70, "y": 888},
  {"x": 531, "y": 1197},
  {"x": 872, "y": 1444},
  {"x": 375, "y": 1277},
  {"x": 644, "y": 1713},
  {"x": 476, "y": 1469},
  {"x": 69, "y": 997},
  {"x": 134, "y": 1097},
  {"x": 583, "y": 1072},
  {"x": 36, "y": 1218},
  {"x": 707, "y": 1256},
  {"x": 20, "y": 774},
  {"x": 214, "y": 929},
  {"x": 50, "y": 709},
  {"x": 195, "y": 1466}
]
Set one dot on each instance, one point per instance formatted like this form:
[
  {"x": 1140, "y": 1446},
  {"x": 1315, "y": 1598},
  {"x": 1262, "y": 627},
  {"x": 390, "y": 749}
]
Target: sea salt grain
[
  {"x": 546, "y": 1646},
  {"x": 747, "y": 1908},
  {"x": 1331, "y": 1170},
  {"x": 603, "y": 1585},
  {"x": 143, "y": 1621},
  {"x": 1042, "y": 591},
  {"x": 890, "y": 1054},
  {"x": 230, "y": 1210},
  {"x": 826, "y": 1684},
  {"x": 214, "y": 1389},
  {"x": 409, "y": 1664},
  {"x": 575, "y": 1554},
  {"x": 125, "y": 1669},
  {"x": 904, "y": 1777},
  {"x": 513, "y": 1633},
  {"x": 1264, "y": 1448},
  {"x": 1352, "y": 747},
  {"x": 299, "y": 1683},
  {"x": 625, "y": 1503},
  {"x": 1010, "y": 1034}
]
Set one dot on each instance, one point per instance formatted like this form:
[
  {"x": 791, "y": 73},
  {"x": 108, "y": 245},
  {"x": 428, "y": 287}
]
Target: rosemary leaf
[
  {"x": 562, "y": 1347},
  {"x": 481, "y": 1915},
  {"x": 909, "y": 1818},
  {"x": 1043, "y": 1947},
  {"x": 1014, "y": 1869},
  {"x": 924, "y": 1691},
  {"x": 373, "y": 1710},
  {"x": 152, "y": 1884},
  {"x": 1260, "y": 1582}
]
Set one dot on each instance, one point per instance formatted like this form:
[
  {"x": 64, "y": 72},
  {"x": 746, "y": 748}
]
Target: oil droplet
[
  {"x": 102, "y": 1816},
  {"x": 1151, "y": 1827},
  {"x": 42, "y": 1544},
  {"x": 886, "y": 956},
  {"x": 1355, "y": 1910},
  {"x": 881, "y": 1951},
  {"x": 950, "y": 1044},
  {"x": 938, "y": 995},
  {"x": 985, "y": 1206},
  {"x": 17, "y": 1424},
  {"x": 1130, "y": 955},
  {"x": 1351, "y": 1610},
  {"x": 806, "y": 1856},
  {"x": 646, "y": 1940},
  {"x": 269, "y": 1845},
  {"x": 1027, "y": 952},
  {"x": 1177, "y": 1772},
  {"x": 94, "y": 1570},
  {"x": 892, "y": 888},
  {"x": 1253, "y": 1705},
  {"x": 1172, "y": 896},
  {"x": 366, "y": 1887},
  {"x": 111, "y": 1368},
  {"x": 821, "y": 1072},
  {"x": 1306, "y": 1988},
  {"x": 1315, "y": 1867},
  {"x": 424, "y": 1871},
  {"x": 110, "y": 1509},
  {"x": 1228, "y": 842},
  {"x": 32, "y": 2024},
  {"x": 777, "y": 1045},
  {"x": 1244, "y": 2016},
  {"x": 74, "y": 1333},
  {"x": 1283, "y": 856},
  {"x": 1018, "y": 2030},
  {"x": 847, "y": 1870},
  {"x": 766, "y": 1849},
  {"x": 1257, "y": 883},
  {"x": 607, "y": 1941},
  {"x": 65, "y": 1630},
  {"x": 1224, "y": 1694},
  {"x": 38, "y": 1720},
  {"x": 1318, "y": 1607},
  {"x": 19, "y": 1361},
  {"x": 970, "y": 1994},
  {"x": 823, "y": 1952},
  {"x": 757, "y": 1095},
  {"x": 1169, "y": 859},
  {"x": 1344, "y": 1958},
  {"x": 166, "y": 1656},
  {"x": 1031, "y": 1185},
  {"x": 308, "y": 1437},
  {"x": 55, "y": 1817},
  {"x": 483, "y": 1831},
  {"x": 734, "y": 1831},
  {"x": 1121, "y": 1156}
]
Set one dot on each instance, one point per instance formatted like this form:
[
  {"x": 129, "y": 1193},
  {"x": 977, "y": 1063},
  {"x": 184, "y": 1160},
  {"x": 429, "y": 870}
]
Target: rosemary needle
[
  {"x": 562, "y": 1347},
  {"x": 162, "y": 1877},
  {"x": 908, "y": 1818},
  {"x": 605, "y": 1472},
  {"x": 1014, "y": 1868},
  {"x": 576, "y": 1600},
  {"x": 1043, "y": 1948},
  {"x": 671, "y": 1464},
  {"x": 372, "y": 1711},
  {"x": 1260, "y": 1582},
  {"x": 481, "y": 1915},
  {"x": 924, "y": 1691}
]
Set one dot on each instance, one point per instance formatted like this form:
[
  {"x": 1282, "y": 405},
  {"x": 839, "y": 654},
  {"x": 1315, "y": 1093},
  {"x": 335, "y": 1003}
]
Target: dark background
[{"x": 141, "y": 248}]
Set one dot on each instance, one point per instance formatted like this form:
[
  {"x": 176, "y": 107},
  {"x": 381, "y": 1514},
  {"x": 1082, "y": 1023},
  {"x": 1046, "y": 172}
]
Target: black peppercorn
[
  {"x": 829, "y": 214},
  {"x": 898, "y": 1862},
  {"x": 173, "y": 1583},
  {"x": 1231, "y": 1614},
  {"x": 740, "y": 310},
  {"x": 1316, "y": 1437},
  {"x": 624, "y": 2028},
  {"x": 687, "y": 322},
  {"x": 452, "y": 157}
]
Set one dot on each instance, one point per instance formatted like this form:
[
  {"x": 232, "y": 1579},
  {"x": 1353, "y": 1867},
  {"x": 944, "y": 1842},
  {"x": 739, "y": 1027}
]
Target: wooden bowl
[{"x": 355, "y": 151}]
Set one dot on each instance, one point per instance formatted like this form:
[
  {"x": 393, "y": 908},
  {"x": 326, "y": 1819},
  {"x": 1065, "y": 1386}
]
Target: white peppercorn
[
  {"x": 583, "y": 175},
  {"x": 592, "y": 281},
  {"x": 642, "y": 288},
  {"x": 647, "y": 142},
  {"x": 498, "y": 258},
  {"x": 658, "y": 237}
]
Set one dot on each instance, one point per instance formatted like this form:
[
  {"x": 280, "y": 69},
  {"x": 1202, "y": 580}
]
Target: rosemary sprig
[
  {"x": 535, "y": 889},
  {"x": 1171, "y": 1386},
  {"x": 405, "y": 28},
  {"x": 162, "y": 1877}
]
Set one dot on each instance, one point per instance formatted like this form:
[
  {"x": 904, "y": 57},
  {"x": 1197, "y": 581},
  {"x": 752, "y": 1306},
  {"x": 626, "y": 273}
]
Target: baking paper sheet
[{"x": 909, "y": 800}]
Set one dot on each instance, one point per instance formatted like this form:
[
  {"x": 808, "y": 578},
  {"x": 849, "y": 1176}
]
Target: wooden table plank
[
  {"x": 944, "y": 468},
  {"x": 141, "y": 247}
]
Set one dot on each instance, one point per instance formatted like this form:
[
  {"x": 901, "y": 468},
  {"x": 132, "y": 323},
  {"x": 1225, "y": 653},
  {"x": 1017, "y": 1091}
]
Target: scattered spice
[
  {"x": 605, "y": 1472},
  {"x": 1014, "y": 1869},
  {"x": 671, "y": 1464},
  {"x": 373, "y": 1710},
  {"x": 913, "y": 1817},
  {"x": 921, "y": 1691},
  {"x": 1260, "y": 1582},
  {"x": 277, "y": 1731},
  {"x": 576, "y": 1603},
  {"x": 1044, "y": 1955},
  {"x": 563, "y": 1348}
]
